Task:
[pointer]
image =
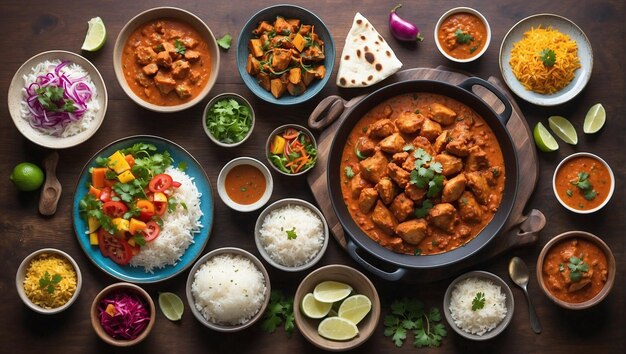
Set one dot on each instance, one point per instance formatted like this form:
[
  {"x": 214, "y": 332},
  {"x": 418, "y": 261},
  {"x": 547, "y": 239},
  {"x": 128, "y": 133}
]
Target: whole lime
[{"x": 27, "y": 177}]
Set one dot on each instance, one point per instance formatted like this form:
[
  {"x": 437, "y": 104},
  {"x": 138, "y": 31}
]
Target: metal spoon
[{"x": 519, "y": 274}]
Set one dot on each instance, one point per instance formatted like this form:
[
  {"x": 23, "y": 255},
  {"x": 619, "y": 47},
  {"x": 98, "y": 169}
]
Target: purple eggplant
[{"x": 402, "y": 29}]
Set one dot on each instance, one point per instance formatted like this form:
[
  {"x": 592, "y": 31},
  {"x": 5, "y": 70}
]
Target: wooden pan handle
[
  {"x": 528, "y": 231},
  {"x": 51, "y": 191},
  {"x": 326, "y": 112}
]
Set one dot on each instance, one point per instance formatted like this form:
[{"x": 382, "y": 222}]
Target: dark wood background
[{"x": 30, "y": 27}]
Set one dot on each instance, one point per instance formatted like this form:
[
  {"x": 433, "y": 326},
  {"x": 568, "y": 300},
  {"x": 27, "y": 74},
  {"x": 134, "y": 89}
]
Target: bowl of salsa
[
  {"x": 576, "y": 270},
  {"x": 245, "y": 184},
  {"x": 462, "y": 34},
  {"x": 583, "y": 183}
]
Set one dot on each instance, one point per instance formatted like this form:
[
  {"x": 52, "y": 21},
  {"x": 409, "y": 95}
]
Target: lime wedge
[
  {"x": 96, "y": 35},
  {"x": 544, "y": 140},
  {"x": 562, "y": 128},
  {"x": 337, "y": 328},
  {"x": 595, "y": 118},
  {"x": 313, "y": 308},
  {"x": 355, "y": 308},
  {"x": 331, "y": 291},
  {"x": 171, "y": 306}
]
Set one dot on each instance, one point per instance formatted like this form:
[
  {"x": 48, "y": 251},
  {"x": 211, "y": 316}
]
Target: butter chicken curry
[
  {"x": 422, "y": 174},
  {"x": 166, "y": 62}
]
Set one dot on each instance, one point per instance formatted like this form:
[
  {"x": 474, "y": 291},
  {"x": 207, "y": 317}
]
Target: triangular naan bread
[{"x": 366, "y": 58}]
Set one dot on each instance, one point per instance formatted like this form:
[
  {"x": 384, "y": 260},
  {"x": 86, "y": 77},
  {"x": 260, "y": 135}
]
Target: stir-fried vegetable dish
[
  {"x": 292, "y": 151},
  {"x": 286, "y": 56},
  {"x": 128, "y": 194}
]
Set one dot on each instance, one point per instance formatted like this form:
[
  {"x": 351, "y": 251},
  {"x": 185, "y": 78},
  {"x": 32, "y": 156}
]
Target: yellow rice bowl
[{"x": 49, "y": 294}]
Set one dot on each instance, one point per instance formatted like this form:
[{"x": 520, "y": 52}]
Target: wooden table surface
[{"x": 30, "y": 27}]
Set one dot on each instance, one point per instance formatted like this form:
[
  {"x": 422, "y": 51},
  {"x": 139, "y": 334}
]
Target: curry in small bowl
[
  {"x": 583, "y": 183},
  {"x": 422, "y": 174},
  {"x": 576, "y": 270},
  {"x": 166, "y": 59},
  {"x": 462, "y": 34}
]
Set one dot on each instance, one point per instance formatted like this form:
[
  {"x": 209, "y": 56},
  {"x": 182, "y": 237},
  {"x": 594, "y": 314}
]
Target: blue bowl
[
  {"x": 138, "y": 274},
  {"x": 269, "y": 14}
]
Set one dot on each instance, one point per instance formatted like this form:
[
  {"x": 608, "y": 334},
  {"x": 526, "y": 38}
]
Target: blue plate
[
  {"x": 287, "y": 11},
  {"x": 138, "y": 274}
]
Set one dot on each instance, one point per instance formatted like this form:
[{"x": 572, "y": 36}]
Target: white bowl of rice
[
  {"x": 478, "y": 305},
  {"x": 228, "y": 289},
  {"x": 83, "y": 89},
  {"x": 291, "y": 234}
]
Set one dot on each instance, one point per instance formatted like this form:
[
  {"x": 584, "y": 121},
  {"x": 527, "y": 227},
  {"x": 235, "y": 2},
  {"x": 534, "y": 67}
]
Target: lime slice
[
  {"x": 171, "y": 306},
  {"x": 544, "y": 140},
  {"x": 337, "y": 328},
  {"x": 595, "y": 118},
  {"x": 563, "y": 129},
  {"x": 355, "y": 308},
  {"x": 331, "y": 291},
  {"x": 96, "y": 35},
  {"x": 313, "y": 308}
]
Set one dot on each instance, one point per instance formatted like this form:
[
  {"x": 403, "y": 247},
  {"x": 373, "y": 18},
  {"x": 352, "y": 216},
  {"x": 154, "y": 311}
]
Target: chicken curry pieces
[
  {"x": 286, "y": 56},
  {"x": 166, "y": 62},
  {"x": 422, "y": 174}
]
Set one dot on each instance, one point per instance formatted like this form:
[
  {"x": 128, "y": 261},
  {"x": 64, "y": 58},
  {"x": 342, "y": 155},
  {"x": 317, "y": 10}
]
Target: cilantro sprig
[
  {"x": 479, "y": 301},
  {"x": 348, "y": 172},
  {"x": 291, "y": 234},
  {"x": 48, "y": 283},
  {"x": 577, "y": 267},
  {"x": 225, "y": 41},
  {"x": 547, "y": 57},
  {"x": 411, "y": 315},
  {"x": 463, "y": 37},
  {"x": 279, "y": 311},
  {"x": 52, "y": 99},
  {"x": 585, "y": 186},
  {"x": 228, "y": 120},
  {"x": 180, "y": 47}
]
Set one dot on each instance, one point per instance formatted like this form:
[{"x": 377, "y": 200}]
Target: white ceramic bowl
[
  {"x": 279, "y": 204},
  {"x": 221, "y": 181},
  {"x": 585, "y": 54},
  {"x": 21, "y": 275},
  {"x": 192, "y": 304},
  {"x": 95, "y": 322},
  {"x": 16, "y": 95},
  {"x": 177, "y": 14},
  {"x": 599, "y": 159},
  {"x": 213, "y": 101},
  {"x": 510, "y": 305},
  {"x": 473, "y": 12},
  {"x": 279, "y": 130}
]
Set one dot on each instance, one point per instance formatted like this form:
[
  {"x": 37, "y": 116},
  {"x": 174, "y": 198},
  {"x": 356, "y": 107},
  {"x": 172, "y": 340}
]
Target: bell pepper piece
[
  {"x": 118, "y": 163},
  {"x": 126, "y": 176}
]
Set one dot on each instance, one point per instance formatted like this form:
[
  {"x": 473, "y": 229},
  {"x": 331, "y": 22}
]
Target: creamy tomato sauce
[
  {"x": 462, "y": 35},
  {"x": 571, "y": 176},
  {"x": 245, "y": 184}
]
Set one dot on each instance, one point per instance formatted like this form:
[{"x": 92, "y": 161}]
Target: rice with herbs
[
  {"x": 228, "y": 289},
  {"x": 179, "y": 226},
  {"x": 482, "y": 320},
  {"x": 50, "y": 281},
  {"x": 292, "y": 235}
]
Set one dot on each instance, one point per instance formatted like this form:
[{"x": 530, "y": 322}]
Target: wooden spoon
[{"x": 51, "y": 191}]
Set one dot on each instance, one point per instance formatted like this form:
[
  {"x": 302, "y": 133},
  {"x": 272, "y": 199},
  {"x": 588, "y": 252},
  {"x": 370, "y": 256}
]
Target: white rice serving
[
  {"x": 228, "y": 289},
  {"x": 481, "y": 320},
  {"x": 74, "y": 71},
  {"x": 179, "y": 226},
  {"x": 278, "y": 231}
]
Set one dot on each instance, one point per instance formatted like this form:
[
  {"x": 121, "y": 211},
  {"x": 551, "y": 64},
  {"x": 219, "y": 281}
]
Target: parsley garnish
[
  {"x": 279, "y": 311},
  {"x": 410, "y": 315},
  {"x": 463, "y": 37},
  {"x": 180, "y": 47},
  {"x": 291, "y": 234},
  {"x": 478, "y": 302},
  {"x": 92, "y": 207},
  {"x": 51, "y": 99},
  {"x": 585, "y": 186},
  {"x": 569, "y": 192},
  {"x": 577, "y": 267},
  {"x": 548, "y": 57},
  {"x": 225, "y": 41},
  {"x": 423, "y": 210},
  {"x": 48, "y": 283},
  {"x": 349, "y": 172},
  {"x": 427, "y": 177}
]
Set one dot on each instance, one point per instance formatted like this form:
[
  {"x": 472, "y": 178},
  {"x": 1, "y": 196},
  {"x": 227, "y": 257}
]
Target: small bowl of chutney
[{"x": 245, "y": 184}]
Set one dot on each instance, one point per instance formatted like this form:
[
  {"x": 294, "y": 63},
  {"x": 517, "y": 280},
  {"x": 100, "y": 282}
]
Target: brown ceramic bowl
[
  {"x": 564, "y": 237},
  {"x": 96, "y": 323},
  {"x": 361, "y": 285}
]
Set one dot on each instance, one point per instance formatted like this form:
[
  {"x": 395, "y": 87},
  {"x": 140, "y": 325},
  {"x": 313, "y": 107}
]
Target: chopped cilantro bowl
[{"x": 228, "y": 119}]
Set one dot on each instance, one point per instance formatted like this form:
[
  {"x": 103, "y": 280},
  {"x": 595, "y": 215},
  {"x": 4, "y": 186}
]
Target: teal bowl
[{"x": 287, "y": 11}]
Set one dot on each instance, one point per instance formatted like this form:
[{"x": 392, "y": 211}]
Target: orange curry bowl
[
  {"x": 583, "y": 183},
  {"x": 576, "y": 270},
  {"x": 462, "y": 34},
  {"x": 166, "y": 59}
]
